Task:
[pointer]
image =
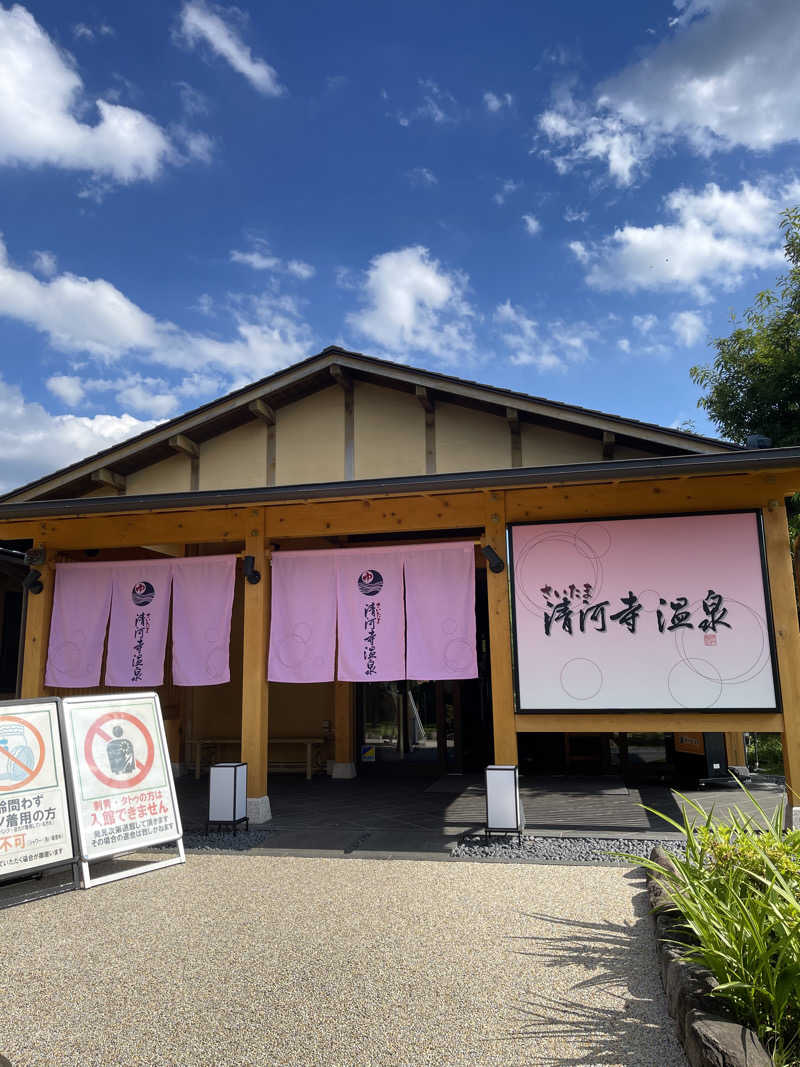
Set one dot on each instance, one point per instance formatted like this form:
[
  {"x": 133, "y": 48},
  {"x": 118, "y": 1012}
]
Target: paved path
[{"x": 255, "y": 960}]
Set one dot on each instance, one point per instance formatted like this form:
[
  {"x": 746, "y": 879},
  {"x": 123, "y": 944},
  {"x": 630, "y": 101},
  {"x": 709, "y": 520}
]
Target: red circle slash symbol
[
  {"x": 96, "y": 730},
  {"x": 30, "y": 772}
]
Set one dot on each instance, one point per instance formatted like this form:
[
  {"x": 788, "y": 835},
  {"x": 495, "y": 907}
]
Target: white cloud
[
  {"x": 495, "y": 102},
  {"x": 437, "y": 106},
  {"x": 201, "y": 23},
  {"x": 507, "y": 187},
  {"x": 688, "y": 327},
  {"x": 579, "y": 250},
  {"x": 82, "y": 31},
  {"x": 624, "y": 344},
  {"x": 644, "y": 323},
  {"x": 195, "y": 143},
  {"x": 422, "y": 177},
  {"x": 45, "y": 263},
  {"x": 532, "y": 224},
  {"x": 523, "y": 340},
  {"x": 726, "y": 77},
  {"x": 40, "y": 95},
  {"x": 261, "y": 258},
  {"x": 412, "y": 303},
  {"x": 716, "y": 237},
  {"x": 92, "y": 316},
  {"x": 560, "y": 344},
  {"x": 572, "y": 215},
  {"x": 193, "y": 102},
  {"x": 66, "y": 387},
  {"x": 33, "y": 442},
  {"x": 300, "y": 269},
  {"x": 257, "y": 260}
]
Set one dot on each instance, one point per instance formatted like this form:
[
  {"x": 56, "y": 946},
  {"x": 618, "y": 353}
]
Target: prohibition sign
[
  {"x": 96, "y": 730},
  {"x": 31, "y": 772}
]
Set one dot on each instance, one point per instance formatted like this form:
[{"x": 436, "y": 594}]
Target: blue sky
[{"x": 538, "y": 196}]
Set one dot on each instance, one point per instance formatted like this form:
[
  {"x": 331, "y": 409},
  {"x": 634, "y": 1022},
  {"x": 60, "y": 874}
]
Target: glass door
[{"x": 411, "y": 727}]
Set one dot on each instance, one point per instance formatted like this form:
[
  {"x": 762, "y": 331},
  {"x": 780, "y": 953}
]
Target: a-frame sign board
[
  {"x": 122, "y": 783},
  {"x": 37, "y": 820}
]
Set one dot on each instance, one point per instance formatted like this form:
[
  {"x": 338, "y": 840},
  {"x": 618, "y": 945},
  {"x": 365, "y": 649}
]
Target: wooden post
[
  {"x": 255, "y": 732},
  {"x": 505, "y": 731},
  {"x": 787, "y": 643},
  {"x": 344, "y": 765},
  {"x": 37, "y": 632},
  {"x": 734, "y": 750}
]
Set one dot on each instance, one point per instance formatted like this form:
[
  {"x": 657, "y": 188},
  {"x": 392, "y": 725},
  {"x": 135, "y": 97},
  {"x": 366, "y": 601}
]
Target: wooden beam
[
  {"x": 329, "y": 519},
  {"x": 104, "y": 476},
  {"x": 787, "y": 640},
  {"x": 255, "y": 732},
  {"x": 505, "y": 734},
  {"x": 341, "y": 377},
  {"x": 181, "y": 443},
  {"x": 609, "y": 444},
  {"x": 343, "y": 722},
  {"x": 346, "y": 382},
  {"x": 429, "y": 407},
  {"x": 647, "y": 721},
  {"x": 512, "y": 417},
  {"x": 261, "y": 410},
  {"x": 37, "y": 634},
  {"x": 671, "y": 495}
]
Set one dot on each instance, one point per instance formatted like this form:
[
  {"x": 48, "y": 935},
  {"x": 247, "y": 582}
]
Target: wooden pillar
[
  {"x": 37, "y": 632},
  {"x": 505, "y": 731},
  {"x": 344, "y": 765},
  {"x": 734, "y": 750},
  {"x": 254, "y": 674},
  {"x": 787, "y": 644}
]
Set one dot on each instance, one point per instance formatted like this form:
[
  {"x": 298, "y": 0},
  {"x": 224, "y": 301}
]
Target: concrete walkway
[
  {"x": 249, "y": 960},
  {"x": 424, "y": 818}
]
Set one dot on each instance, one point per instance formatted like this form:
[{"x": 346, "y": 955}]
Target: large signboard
[
  {"x": 642, "y": 614},
  {"x": 121, "y": 774},
  {"x": 34, "y": 815}
]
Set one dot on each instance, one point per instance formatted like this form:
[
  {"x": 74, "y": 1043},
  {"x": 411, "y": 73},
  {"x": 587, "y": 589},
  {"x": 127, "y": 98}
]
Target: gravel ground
[
  {"x": 242, "y": 962},
  {"x": 565, "y": 850}
]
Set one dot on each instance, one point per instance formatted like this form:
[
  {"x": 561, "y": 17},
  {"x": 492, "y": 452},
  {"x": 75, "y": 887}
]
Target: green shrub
[
  {"x": 770, "y": 753},
  {"x": 738, "y": 888}
]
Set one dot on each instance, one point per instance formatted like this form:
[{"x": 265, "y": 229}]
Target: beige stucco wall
[
  {"x": 172, "y": 475},
  {"x": 470, "y": 440},
  {"x": 236, "y": 459},
  {"x": 389, "y": 433},
  {"x": 309, "y": 445},
  {"x": 543, "y": 447}
]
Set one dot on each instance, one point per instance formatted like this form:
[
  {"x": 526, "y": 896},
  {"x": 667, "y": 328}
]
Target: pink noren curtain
[
  {"x": 202, "y": 598},
  {"x": 137, "y": 634},
  {"x": 81, "y": 602},
  {"x": 371, "y": 615},
  {"x": 440, "y": 612},
  {"x": 303, "y": 622}
]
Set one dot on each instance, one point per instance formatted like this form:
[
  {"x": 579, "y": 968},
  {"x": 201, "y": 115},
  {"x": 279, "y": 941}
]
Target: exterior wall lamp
[
  {"x": 251, "y": 574},
  {"x": 494, "y": 562}
]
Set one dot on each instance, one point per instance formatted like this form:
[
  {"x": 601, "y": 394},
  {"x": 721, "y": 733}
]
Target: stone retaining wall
[{"x": 710, "y": 1037}]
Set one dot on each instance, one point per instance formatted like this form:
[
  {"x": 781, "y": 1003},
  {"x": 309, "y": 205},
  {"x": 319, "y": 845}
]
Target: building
[{"x": 343, "y": 450}]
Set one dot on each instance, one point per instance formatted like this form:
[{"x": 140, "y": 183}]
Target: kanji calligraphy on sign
[{"x": 654, "y": 613}]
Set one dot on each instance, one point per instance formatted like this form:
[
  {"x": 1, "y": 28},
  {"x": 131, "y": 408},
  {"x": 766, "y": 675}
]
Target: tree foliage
[{"x": 753, "y": 384}]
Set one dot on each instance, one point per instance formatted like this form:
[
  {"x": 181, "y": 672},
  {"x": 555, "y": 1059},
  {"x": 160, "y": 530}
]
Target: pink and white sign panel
[{"x": 635, "y": 614}]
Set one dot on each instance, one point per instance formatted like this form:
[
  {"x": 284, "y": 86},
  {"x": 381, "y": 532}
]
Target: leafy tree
[{"x": 753, "y": 384}]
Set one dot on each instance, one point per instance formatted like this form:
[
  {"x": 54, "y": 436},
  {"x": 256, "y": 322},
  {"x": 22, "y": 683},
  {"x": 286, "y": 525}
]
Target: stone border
[{"x": 709, "y": 1036}]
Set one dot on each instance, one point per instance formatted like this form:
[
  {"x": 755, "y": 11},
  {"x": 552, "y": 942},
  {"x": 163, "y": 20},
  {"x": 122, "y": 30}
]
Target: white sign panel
[
  {"x": 654, "y": 613},
  {"x": 121, "y": 773},
  {"x": 34, "y": 817}
]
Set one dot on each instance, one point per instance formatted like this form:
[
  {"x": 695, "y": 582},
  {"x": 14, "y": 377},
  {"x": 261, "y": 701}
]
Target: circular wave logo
[
  {"x": 142, "y": 593},
  {"x": 370, "y": 583}
]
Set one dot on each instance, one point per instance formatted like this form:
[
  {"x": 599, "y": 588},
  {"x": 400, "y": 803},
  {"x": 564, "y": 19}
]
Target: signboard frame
[
  {"x": 71, "y": 861},
  {"x": 108, "y": 701},
  {"x": 755, "y": 512}
]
